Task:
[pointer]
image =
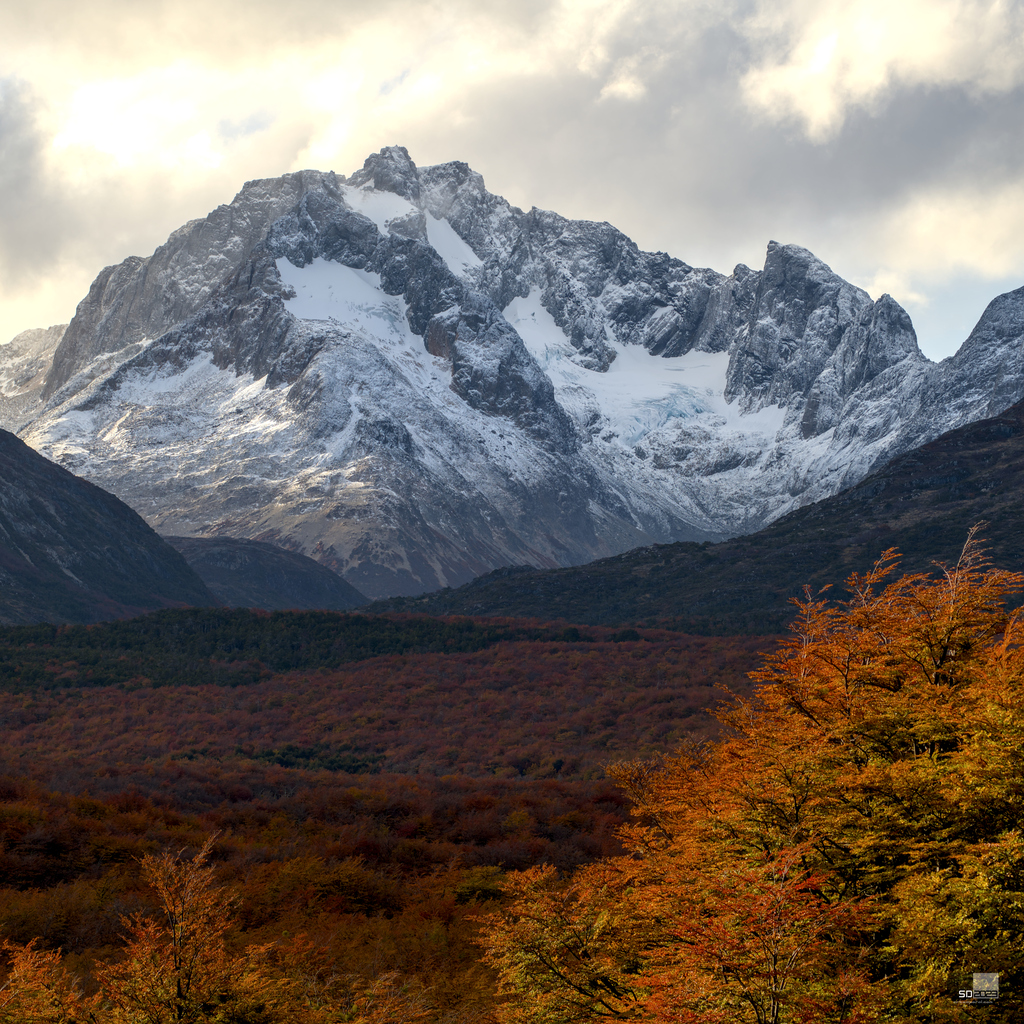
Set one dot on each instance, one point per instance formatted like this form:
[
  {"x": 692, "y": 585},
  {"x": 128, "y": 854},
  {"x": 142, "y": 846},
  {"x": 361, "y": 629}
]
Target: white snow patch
[
  {"x": 352, "y": 298},
  {"x": 639, "y": 393},
  {"x": 380, "y": 207},
  {"x": 152, "y": 388},
  {"x": 450, "y": 246},
  {"x": 73, "y": 425}
]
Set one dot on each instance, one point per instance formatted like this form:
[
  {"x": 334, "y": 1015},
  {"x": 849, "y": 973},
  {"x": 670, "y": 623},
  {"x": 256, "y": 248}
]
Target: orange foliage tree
[
  {"x": 38, "y": 990},
  {"x": 851, "y": 851},
  {"x": 570, "y": 951},
  {"x": 180, "y": 969}
]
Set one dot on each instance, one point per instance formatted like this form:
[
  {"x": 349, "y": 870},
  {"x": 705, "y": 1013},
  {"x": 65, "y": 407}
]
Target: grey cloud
[
  {"x": 31, "y": 210},
  {"x": 921, "y": 138},
  {"x": 690, "y": 160}
]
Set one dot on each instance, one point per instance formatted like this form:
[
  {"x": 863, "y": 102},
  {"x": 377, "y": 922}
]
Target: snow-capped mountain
[{"x": 408, "y": 378}]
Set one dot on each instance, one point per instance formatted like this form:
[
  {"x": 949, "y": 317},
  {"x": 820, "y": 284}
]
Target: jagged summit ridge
[{"x": 410, "y": 379}]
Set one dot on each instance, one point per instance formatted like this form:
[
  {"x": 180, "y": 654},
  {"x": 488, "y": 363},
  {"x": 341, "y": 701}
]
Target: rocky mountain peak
[
  {"x": 812, "y": 339},
  {"x": 986, "y": 371},
  {"x": 390, "y": 170},
  {"x": 998, "y": 333},
  {"x": 140, "y": 299},
  {"x": 406, "y": 377}
]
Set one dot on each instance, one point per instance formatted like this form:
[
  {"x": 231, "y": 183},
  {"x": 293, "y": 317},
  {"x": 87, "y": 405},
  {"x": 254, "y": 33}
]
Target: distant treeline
[
  {"x": 238, "y": 646},
  {"x": 530, "y": 709}
]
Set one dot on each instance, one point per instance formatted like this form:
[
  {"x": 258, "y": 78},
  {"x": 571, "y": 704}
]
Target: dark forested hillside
[
  {"x": 923, "y": 503},
  {"x": 235, "y": 646},
  {"x": 251, "y": 574},
  {"x": 71, "y": 552}
]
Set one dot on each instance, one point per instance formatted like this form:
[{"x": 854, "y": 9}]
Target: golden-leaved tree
[
  {"x": 38, "y": 990},
  {"x": 852, "y": 850},
  {"x": 178, "y": 968}
]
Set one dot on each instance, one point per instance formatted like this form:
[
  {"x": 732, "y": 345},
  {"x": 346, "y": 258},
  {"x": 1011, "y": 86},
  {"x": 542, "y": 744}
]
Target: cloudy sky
[{"x": 885, "y": 135}]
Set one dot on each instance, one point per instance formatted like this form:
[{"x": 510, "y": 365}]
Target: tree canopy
[
  {"x": 851, "y": 850},
  {"x": 848, "y": 850}
]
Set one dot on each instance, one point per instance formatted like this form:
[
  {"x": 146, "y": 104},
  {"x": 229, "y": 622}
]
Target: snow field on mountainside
[
  {"x": 639, "y": 393},
  {"x": 450, "y": 247},
  {"x": 640, "y": 399},
  {"x": 354, "y": 302},
  {"x": 380, "y": 207},
  {"x": 250, "y": 435},
  {"x": 325, "y": 290},
  {"x": 150, "y": 421}
]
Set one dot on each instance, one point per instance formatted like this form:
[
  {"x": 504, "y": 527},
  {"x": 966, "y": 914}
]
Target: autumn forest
[{"x": 230, "y": 816}]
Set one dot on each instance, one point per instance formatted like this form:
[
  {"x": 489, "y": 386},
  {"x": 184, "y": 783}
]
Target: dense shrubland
[
  {"x": 114, "y": 753},
  {"x": 517, "y": 708},
  {"x": 376, "y": 879}
]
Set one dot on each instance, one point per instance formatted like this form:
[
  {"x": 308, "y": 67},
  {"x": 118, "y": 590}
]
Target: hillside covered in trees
[{"x": 519, "y": 823}]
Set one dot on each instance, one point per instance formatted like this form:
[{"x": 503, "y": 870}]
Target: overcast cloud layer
[{"x": 885, "y": 135}]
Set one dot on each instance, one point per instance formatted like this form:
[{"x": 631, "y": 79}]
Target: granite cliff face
[{"x": 413, "y": 381}]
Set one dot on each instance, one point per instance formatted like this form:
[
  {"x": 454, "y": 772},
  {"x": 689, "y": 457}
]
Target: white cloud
[
  {"x": 942, "y": 231},
  {"x": 156, "y": 118},
  {"x": 896, "y": 283},
  {"x": 824, "y": 58},
  {"x": 626, "y": 81},
  {"x": 902, "y": 171}
]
